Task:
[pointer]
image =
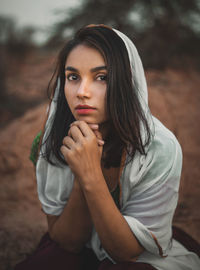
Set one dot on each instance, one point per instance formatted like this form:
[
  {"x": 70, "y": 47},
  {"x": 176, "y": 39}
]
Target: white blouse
[{"x": 149, "y": 186}]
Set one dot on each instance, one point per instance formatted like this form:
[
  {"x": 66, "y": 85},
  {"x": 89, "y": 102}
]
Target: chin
[{"x": 88, "y": 120}]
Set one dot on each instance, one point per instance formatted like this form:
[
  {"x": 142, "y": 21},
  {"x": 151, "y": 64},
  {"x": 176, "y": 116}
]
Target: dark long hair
[{"x": 123, "y": 108}]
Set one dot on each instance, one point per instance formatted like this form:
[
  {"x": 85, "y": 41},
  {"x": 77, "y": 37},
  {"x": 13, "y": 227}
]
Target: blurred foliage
[
  {"x": 166, "y": 32},
  {"x": 17, "y": 42}
]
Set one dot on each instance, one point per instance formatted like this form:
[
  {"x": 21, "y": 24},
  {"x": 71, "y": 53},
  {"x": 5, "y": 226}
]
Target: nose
[{"x": 84, "y": 89}]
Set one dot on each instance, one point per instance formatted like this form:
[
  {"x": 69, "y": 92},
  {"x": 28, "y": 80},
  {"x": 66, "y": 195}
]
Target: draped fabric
[{"x": 149, "y": 186}]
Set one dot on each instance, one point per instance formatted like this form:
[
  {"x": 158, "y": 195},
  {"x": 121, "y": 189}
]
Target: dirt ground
[{"x": 174, "y": 98}]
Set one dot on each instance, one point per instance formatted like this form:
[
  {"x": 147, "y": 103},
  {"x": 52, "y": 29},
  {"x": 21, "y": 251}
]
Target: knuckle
[
  {"x": 71, "y": 131},
  {"x": 75, "y": 123},
  {"x": 79, "y": 149},
  {"x": 81, "y": 123},
  {"x": 62, "y": 148},
  {"x": 64, "y": 140},
  {"x": 73, "y": 128},
  {"x": 84, "y": 143}
]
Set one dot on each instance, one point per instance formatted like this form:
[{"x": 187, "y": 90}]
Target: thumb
[{"x": 99, "y": 137}]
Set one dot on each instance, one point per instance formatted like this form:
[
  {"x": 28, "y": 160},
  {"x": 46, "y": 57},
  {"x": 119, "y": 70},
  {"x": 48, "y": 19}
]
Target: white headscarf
[
  {"x": 139, "y": 81},
  {"x": 138, "y": 75}
]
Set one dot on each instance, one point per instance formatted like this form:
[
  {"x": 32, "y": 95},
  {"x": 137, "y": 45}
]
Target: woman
[{"x": 108, "y": 172}]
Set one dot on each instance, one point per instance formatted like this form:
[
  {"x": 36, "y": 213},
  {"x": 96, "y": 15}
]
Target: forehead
[{"x": 82, "y": 55}]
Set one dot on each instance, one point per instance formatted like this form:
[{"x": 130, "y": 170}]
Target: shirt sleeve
[
  {"x": 152, "y": 201},
  {"x": 54, "y": 185}
]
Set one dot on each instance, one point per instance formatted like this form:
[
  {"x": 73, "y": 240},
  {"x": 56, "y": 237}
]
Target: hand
[
  {"x": 95, "y": 128},
  {"x": 82, "y": 149}
]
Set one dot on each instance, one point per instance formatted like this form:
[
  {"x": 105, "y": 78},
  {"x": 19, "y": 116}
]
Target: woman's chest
[{"x": 111, "y": 176}]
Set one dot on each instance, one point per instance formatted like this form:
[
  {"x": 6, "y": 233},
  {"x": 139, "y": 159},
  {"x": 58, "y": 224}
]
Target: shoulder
[
  {"x": 161, "y": 164},
  {"x": 54, "y": 185},
  {"x": 163, "y": 161},
  {"x": 164, "y": 146}
]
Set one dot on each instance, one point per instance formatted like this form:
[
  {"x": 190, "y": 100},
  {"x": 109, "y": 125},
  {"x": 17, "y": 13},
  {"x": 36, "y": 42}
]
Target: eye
[
  {"x": 102, "y": 77},
  {"x": 72, "y": 77}
]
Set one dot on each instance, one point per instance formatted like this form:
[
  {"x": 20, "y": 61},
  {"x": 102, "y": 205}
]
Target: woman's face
[{"x": 85, "y": 84}]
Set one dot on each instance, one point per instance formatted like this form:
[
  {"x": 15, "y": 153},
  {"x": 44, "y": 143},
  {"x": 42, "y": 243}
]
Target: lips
[
  {"x": 81, "y": 107},
  {"x": 84, "y": 109}
]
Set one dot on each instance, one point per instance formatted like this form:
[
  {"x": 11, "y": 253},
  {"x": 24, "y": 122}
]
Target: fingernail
[
  {"x": 101, "y": 142},
  {"x": 95, "y": 126}
]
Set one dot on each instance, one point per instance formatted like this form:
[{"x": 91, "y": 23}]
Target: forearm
[
  {"x": 73, "y": 227},
  {"x": 115, "y": 235},
  {"x": 83, "y": 154}
]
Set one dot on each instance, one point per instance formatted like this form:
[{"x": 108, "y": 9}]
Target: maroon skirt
[{"x": 48, "y": 255}]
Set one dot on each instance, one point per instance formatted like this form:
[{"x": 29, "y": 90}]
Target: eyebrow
[{"x": 95, "y": 69}]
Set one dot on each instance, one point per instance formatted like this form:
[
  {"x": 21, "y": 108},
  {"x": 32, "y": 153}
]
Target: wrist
[
  {"x": 76, "y": 185},
  {"x": 91, "y": 179}
]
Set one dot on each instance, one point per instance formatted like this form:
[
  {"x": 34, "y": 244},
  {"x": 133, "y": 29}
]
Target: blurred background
[{"x": 167, "y": 35}]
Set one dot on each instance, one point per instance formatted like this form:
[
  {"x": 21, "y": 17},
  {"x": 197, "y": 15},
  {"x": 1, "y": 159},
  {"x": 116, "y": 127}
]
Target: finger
[
  {"x": 92, "y": 126},
  {"x": 64, "y": 150},
  {"x": 100, "y": 141},
  {"x": 100, "y": 149},
  {"x": 75, "y": 133},
  {"x": 98, "y": 134},
  {"x": 84, "y": 128},
  {"x": 68, "y": 142}
]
